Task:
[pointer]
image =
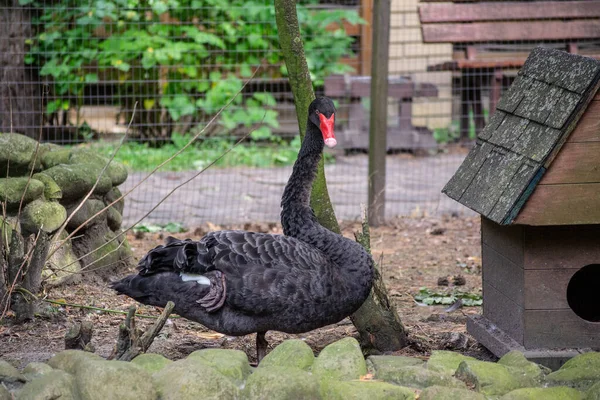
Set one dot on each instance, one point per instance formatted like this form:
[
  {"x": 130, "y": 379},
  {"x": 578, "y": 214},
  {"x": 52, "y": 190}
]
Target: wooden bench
[
  {"x": 355, "y": 131},
  {"x": 492, "y": 39}
]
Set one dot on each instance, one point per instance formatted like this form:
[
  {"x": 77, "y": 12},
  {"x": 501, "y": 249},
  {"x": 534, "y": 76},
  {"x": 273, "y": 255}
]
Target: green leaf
[{"x": 91, "y": 78}]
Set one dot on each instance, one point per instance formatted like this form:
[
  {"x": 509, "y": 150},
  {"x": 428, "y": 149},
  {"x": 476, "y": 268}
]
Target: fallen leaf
[{"x": 209, "y": 335}]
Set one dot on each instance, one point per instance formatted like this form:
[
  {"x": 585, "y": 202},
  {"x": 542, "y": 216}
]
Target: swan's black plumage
[{"x": 254, "y": 282}]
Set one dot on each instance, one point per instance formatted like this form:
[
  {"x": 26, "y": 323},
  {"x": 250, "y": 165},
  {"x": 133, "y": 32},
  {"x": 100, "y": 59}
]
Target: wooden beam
[
  {"x": 504, "y": 31},
  {"x": 507, "y": 11},
  {"x": 379, "y": 104},
  {"x": 565, "y": 204}
]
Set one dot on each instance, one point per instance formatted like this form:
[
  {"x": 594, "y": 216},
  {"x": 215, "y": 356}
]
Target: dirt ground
[{"x": 415, "y": 253}]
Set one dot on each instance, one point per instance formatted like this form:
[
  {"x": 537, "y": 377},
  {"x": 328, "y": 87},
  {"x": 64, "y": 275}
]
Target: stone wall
[
  {"x": 291, "y": 371},
  {"x": 61, "y": 178}
]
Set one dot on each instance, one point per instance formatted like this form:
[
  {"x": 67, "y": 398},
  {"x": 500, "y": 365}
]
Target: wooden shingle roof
[{"x": 532, "y": 120}]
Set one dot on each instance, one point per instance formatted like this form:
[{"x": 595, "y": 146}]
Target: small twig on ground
[{"x": 139, "y": 344}]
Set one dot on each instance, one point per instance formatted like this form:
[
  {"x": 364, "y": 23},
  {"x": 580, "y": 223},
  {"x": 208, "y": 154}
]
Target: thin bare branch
[{"x": 35, "y": 156}]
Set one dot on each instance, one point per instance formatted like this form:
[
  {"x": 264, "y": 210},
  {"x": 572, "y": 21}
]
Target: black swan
[{"x": 238, "y": 282}]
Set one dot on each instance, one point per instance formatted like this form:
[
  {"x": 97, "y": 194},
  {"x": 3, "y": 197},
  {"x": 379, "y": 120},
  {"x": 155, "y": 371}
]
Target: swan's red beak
[{"x": 326, "y": 126}]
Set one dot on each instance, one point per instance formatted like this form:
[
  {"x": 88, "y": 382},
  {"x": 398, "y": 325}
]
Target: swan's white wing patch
[{"x": 200, "y": 279}]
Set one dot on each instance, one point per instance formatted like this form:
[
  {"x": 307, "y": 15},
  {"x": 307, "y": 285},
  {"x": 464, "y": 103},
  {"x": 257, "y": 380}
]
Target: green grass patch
[{"x": 142, "y": 157}]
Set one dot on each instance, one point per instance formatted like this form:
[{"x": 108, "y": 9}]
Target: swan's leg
[{"x": 261, "y": 346}]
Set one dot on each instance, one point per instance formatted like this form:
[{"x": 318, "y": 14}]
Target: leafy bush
[{"x": 181, "y": 59}]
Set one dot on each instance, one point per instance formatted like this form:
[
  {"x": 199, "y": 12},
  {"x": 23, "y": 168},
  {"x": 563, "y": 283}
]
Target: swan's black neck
[{"x": 296, "y": 214}]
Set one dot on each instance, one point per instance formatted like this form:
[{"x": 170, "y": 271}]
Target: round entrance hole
[{"x": 582, "y": 293}]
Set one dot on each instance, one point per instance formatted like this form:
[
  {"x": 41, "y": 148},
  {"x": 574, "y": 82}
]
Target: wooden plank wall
[
  {"x": 526, "y": 271},
  {"x": 569, "y": 192}
]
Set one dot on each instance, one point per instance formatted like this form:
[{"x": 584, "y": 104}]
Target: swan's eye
[{"x": 317, "y": 112}]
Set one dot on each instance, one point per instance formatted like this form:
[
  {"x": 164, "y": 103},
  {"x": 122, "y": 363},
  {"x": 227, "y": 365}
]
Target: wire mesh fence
[{"x": 73, "y": 70}]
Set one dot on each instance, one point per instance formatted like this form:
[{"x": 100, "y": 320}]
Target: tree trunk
[
  {"x": 377, "y": 321},
  {"x": 19, "y": 83},
  {"x": 299, "y": 76}
]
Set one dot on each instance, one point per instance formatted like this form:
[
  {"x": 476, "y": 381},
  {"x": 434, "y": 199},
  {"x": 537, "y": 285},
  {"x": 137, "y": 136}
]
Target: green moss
[
  {"x": 193, "y": 379},
  {"x": 56, "y": 156},
  {"x": 17, "y": 153},
  {"x": 281, "y": 383},
  {"x": 51, "y": 189},
  {"x": 341, "y": 360},
  {"x": 290, "y": 353},
  {"x": 151, "y": 363},
  {"x": 11, "y": 190},
  {"x": 371, "y": 390},
  {"x": 76, "y": 180},
  {"x": 115, "y": 171},
  {"x": 230, "y": 363},
  {"x": 42, "y": 215},
  {"x": 445, "y": 361},
  {"x": 555, "y": 393}
]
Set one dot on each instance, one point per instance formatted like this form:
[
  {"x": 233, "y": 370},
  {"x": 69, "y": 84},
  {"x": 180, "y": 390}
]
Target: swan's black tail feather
[
  {"x": 158, "y": 289},
  {"x": 178, "y": 256},
  {"x": 165, "y": 258}
]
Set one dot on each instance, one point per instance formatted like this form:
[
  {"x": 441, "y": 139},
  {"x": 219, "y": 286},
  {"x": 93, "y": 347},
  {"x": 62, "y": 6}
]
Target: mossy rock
[
  {"x": 281, "y": 383},
  {"x": 445, "y": 393},
  {"x": 54, "y": 384},
  {"x": 341, "y": 360},
  {"x": 5, "y": 394},
  {"x": 9, "y": 374},
  {"x": 36, "y": 369},
  {"x": 150, "y": 362},
  {"x": 529, "y": 373},
  {"x": 114, "y": 219},
  {"x": 51, "y": 189},
  {"x": 17, "y": 154},
  {"x": 386, "y": 363},
  {"x": 76, "y": 180},
  {"x": 89, "y": 208},
  {"x": 63, "y": 265},
  {"x": 55, "y": 156},
  {"x": 11, "y": 191},
  {"x": 593, "y": 392},
  {"x": 187, "y": 379},
  {"x": 43, "y": 215},
  {"x": 488, "y": 378},
  {"x": 69, "y": 360},
  {"x": 446, "y": 362},
  {"x": 290, "y": 353},
  {"x": 115, "y": 171},
  {"x": 230, "y": 363},
  {"x": 101, "y": 380},
  {"x": 418, "y": 377},
  {"x": 553, "y": 393},
  {"x": 113, "y": 195},
  {"x": 102, "y": 249},
  {"x": 361, "y": 390},
  {"x": 580, "y": 372}
]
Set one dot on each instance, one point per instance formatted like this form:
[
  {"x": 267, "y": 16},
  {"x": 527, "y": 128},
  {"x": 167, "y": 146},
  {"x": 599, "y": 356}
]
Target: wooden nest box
[{"x": 534, "y": 176}]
